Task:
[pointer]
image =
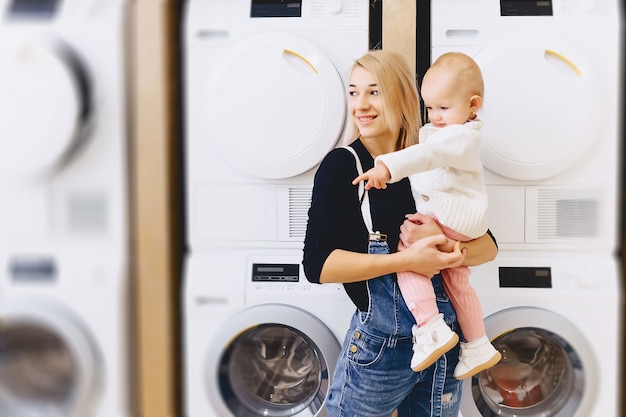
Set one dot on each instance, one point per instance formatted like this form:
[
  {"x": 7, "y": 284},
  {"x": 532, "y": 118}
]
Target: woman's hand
[
  {"x": 418, "y": 226},
  {"x": 425, "y": 257}
]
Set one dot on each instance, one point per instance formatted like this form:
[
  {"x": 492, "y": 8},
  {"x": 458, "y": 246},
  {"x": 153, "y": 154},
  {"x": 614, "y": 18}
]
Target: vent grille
[
  {"x": 298, "y": 211},
  {"x": 567, "y": 214}
]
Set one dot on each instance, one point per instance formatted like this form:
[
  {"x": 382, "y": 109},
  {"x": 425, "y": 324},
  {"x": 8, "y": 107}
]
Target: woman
[{"x": 371, "y": 377}]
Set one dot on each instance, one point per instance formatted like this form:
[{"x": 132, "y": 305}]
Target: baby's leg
[
  {"x": 419, "y": 296},
  {"x": 465, "y": 301}
]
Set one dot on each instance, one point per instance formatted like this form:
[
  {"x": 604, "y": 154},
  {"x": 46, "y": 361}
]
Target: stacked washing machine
[
  {"x": 63, "y": 212},
  {"x": 264, "y": 87},
  {"x": 552, "y": 297}
]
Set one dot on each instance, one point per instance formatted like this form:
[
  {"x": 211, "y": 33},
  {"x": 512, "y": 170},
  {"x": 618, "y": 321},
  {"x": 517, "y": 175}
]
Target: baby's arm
[{"x": 376, "y": 177}]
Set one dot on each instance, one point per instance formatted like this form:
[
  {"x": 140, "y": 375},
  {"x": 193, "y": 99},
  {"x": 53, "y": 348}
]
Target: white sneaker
[
  {"x": 430, "y": 342},
  {"x": 476, "y": 356}
]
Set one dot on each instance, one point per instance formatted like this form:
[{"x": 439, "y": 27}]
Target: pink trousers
[{"x": 419, "y": 296}]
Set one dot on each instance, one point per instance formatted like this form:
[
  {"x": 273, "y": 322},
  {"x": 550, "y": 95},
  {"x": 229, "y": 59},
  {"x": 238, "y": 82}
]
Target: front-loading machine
[
  {"x": 551, "y": 113},
  {"x": 552, "y": 298},
  {"x": 556, "y": 320},
  {"x": 64, "y": 266},
  {"x": 264, "y": 87},
  {"x": 260, "y": 340}
]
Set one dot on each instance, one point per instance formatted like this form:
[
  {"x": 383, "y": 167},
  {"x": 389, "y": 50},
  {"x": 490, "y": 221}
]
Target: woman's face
[{"x": 365, "y": 105}]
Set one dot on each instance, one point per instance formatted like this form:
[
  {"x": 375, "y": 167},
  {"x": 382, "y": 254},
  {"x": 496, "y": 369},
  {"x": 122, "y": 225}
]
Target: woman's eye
[
  {"x": 374, "y": 92},
  {"x": 352, "y": 93}
]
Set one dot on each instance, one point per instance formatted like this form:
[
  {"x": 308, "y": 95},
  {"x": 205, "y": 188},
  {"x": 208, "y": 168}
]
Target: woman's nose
[{"x": 362, "y": 102}]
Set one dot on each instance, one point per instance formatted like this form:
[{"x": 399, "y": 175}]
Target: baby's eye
[{"x": 352, "y": 93}]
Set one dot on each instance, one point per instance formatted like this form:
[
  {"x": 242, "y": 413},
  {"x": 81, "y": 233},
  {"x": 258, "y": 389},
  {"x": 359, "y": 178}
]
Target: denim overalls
[{"x": 373, "y": 376}]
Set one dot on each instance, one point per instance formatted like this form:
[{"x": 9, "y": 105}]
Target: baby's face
[{"x": 446, "y": 104}]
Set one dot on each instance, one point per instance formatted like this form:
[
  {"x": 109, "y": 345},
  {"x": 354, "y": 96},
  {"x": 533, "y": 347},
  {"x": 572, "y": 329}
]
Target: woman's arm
[
  {"x": 418, "y": 226},
  {"x": 423, "y": 257}
]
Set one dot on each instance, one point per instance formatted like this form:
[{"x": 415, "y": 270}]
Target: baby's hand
[{"x": 376, "y": 177}]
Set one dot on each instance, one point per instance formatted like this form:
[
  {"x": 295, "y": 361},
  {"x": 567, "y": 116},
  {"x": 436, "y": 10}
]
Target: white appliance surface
[
  {"x": 551, "y": 112},
  {"x": 545, "y": 312},
  {"x": 63, "y": 217},
  {"x": 265, "y": 100},
  {"x": 552, "y": 170},
  {"x": 227, "y": 302}
]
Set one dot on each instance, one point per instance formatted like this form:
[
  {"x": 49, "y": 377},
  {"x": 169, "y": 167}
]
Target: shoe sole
[
  {"x": 432, "y": 358},
  {"x": 491, "y": 362}
]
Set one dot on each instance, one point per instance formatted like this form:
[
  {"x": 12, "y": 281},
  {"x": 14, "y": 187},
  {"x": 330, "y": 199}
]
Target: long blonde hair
[{"x": 398, "y": 91}]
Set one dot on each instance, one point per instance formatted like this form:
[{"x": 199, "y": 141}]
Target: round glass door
[
  {"x": 273, "y": 370},
  {"x": 43, "y": 104},
  {"x": 536, "y": 375},
  {"x": 271, "y": 360},
  {"x": 547, "y": 368},
  {"x": 47, "y": 366},
  {"x": 275, "y": 105}
]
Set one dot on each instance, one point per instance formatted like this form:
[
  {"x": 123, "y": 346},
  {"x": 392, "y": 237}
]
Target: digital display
[
  {"x": 525, "y": 277},
  {"x": 275, "y": 272},
  {"x": 32, "y": 269},
  {"x": 526, "y": 7},
  {"x": 42, "y": 9},
  {"x": 276, "y": 8}
]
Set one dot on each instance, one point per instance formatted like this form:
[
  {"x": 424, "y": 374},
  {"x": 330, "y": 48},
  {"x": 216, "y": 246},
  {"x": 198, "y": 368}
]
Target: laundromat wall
[
  {"x": 156, "y": 151},
  {"x": 156, "y": 190}
]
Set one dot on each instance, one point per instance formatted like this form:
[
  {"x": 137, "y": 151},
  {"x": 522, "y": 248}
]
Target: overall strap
[{"x": 365, "y": 201}]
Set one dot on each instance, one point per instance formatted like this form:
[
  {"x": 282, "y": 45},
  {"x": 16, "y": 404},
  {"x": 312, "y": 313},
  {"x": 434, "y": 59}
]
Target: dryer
[
  {"x": 551, "y": 113},
  {"x": 265, "y": 100},
  {"x": 63, "y": 218},
  {"x": 556, "y": 321}
]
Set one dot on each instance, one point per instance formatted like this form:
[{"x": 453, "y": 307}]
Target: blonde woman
[{"x": 347, "y": 244}]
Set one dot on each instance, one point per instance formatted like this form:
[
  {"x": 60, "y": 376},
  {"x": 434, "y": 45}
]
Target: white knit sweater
[{"x": 446, "y": 175}]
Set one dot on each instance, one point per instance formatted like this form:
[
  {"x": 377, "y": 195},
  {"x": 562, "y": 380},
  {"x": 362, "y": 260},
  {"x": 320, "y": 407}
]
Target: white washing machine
[
  {"x": 556, "y": 321},
  {"x": 265, "y": 100},
  {"x": 260, "y": 340},
  {"x": 551, "y": 112},
  {"x": 63, "y": 218}
]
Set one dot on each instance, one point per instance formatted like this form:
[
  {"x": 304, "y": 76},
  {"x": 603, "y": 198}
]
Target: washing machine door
[
  {"x": 48, "y": 362},
  {"x": 271, "y": 360},
  {"x": 44, "y": 104},
  {"x": 275, "y": 105},
  {"x": 536, "y": 125},
  {"x": 547, "y": 368}
]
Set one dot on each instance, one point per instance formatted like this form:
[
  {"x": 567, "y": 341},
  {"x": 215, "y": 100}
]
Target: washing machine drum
[
  {"x": 277, "y": 363},
  {"x": 44, "y": 104},
  {"x": 47, "y": 364},
  {"x": 547, "y": 368},
  {"x": 534, "y": 376}
]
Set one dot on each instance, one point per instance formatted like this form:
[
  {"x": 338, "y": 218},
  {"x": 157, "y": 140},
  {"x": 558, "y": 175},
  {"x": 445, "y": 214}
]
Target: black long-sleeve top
[{"x": 335, "y": 220}]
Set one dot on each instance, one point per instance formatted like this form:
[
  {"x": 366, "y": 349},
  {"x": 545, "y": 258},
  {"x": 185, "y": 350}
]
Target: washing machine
[
  {"x": 260, "y": 340},
  {"x": 265, "y": 100},
  {"x": 551, "y": 112},
  {"x": 556, "y": 321},
  {"x": 63, "y": 218}
]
